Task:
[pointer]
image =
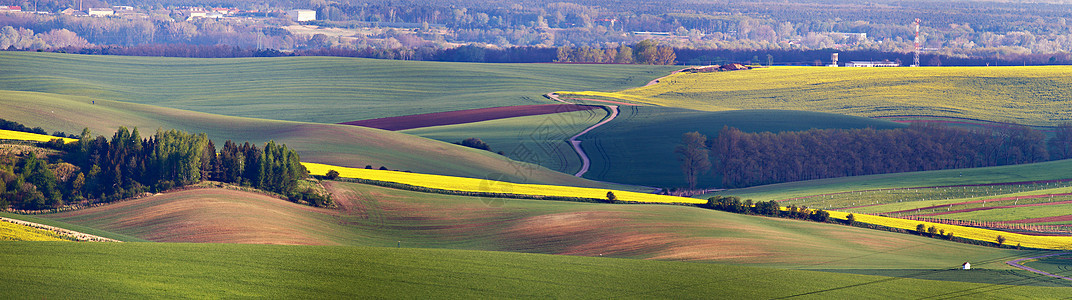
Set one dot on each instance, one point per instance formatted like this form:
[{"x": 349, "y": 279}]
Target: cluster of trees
[
  {"x": 644, "y": 52},
  {"x": 771, "y": 208},
  {"x": 748, "y": 159},
  {"x": 103, "y": 170}
]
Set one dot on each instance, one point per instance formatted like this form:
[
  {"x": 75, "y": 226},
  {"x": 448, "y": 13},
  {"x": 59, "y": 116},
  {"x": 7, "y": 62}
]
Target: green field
[
  {"x": 1060, "y": 169},
  {"x": 341, "y": 145},
  {"x": 376, "y": 216},
  {"x": 309, "y": 89},
  {"x": 139, "y": 270},
  {"x": 1036, "y": 95},
  {"x": 638, "y": 146},
  {"x": 537, "y": 139}
]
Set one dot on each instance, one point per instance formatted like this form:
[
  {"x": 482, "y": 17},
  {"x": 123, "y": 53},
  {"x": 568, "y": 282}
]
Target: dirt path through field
[
  {"x": 1016, "y": 263},
  {"x": 585, "y": 162}
]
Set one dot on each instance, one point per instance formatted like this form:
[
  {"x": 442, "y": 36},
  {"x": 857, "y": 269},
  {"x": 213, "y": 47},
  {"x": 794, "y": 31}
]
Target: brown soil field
[{"x": 466, "y": 116}]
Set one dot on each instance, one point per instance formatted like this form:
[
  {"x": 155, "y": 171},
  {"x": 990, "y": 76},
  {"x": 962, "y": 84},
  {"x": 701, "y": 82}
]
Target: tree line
[
  {"x": 748, "y": 159},
  {"x": 99, "y": 169}
]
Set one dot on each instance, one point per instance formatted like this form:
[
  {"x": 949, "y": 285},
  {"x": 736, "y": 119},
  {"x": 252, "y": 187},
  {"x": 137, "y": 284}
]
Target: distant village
[{"x": 185, "y": 13}]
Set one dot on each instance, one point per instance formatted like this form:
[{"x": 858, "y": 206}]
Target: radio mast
[{"x": 915, "y": 60}]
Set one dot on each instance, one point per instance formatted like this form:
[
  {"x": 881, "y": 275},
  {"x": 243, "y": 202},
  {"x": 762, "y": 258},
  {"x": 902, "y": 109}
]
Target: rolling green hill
[
  {"x": 377, "y": 216},
  {"x": 1060, "y": 169},
  {"x": 341, "y": 145},
  {"x": 1034, "y": 95},
  {"x": 310, "y": 89},
  {"x": 638, "y": 146},
  {"x": 155, "y": 270},
  {"x": 535, "y": 139}
]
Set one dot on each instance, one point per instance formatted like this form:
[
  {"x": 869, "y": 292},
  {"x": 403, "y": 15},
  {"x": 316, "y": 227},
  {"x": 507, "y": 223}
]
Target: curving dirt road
[
  {"x": 1016, "y": 263},
  {"x": 585, "y": 162}
]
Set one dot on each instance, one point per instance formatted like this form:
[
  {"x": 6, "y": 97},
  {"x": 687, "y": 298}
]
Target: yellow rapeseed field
[
  {"x": 1034, "y": 95},
  {"x": 1042, "y": 242},
  {"x": 26, "y": 136},
  {"x": 490, "y": 186},
  {"x": 15, "y": 232}
]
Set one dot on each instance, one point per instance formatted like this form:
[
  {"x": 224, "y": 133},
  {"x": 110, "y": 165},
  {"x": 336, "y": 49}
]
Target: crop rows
[{"x": 858, "y": 199}]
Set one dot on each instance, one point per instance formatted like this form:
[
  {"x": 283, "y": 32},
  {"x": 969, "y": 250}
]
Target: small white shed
[{"x": 966, "y": 266}]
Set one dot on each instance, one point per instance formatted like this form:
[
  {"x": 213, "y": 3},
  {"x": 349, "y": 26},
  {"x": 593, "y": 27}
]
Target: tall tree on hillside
[
  {"x": 694, "y": 156},
  {"x": 646, "y": 52}
]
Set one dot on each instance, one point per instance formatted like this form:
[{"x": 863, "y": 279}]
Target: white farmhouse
[
  {"x": 301, "y": 15},
  {"x": 966, "y": 266}
]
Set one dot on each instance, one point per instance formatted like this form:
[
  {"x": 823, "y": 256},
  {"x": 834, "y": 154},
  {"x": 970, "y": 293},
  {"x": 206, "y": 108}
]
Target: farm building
[
  {"x": 100, "y": 12},
  {"x": 884, "y": 63},
  {"x": 966, "y": 266},
  {"x": 10, "y": 8},
  {"x": 301, "y": 15}
]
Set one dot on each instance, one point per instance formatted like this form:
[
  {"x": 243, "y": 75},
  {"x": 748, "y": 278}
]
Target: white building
[
  {"x": 865, "y": 64},
  {"x": 301, "y": 15},
  {"x": 966, "y": 266},
  {"x": 100, "y": 12}
]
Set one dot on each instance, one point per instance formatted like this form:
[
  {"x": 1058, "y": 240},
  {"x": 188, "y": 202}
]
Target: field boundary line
[{"x": 79, "y": 236}]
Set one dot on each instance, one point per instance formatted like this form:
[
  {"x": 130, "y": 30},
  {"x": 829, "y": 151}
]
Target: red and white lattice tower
[{"x": 915, "y": 60}]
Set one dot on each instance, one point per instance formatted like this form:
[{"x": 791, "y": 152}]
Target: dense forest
[
  {"x": 749, "y": 159},
  {"x": 95, "y": 170},
  {"x": 1024, "y": 32}
]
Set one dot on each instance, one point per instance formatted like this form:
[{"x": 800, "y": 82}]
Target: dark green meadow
[
  {"x": 140, "y": 270},
  {"x": 308, "y": 89}
]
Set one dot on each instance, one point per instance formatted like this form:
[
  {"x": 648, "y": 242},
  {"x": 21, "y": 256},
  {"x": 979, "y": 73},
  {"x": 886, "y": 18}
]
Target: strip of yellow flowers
[
  {"x": 979, "y": 234},
  {"x": 16, "y": 232},
  {"x": 490, "y": 186},
  {"x": 26, "y": 136}
]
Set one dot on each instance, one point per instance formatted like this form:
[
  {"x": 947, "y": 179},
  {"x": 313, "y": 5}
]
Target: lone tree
[
  {"x": 611, "y": 197},
  {"x": 1001, "y": 240},
  {"x": 850, "y": 219},
  {"x": 332, "y": 174},
  {"x": 694, "y": 156}
]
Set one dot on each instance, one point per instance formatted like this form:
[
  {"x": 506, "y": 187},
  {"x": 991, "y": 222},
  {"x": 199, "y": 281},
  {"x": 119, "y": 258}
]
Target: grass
[
  {"x": 308, "y": 89},
  {"x": 73, "y": 227},
  {"x": 638, "y": 146},
  {"x": 376, "y": 216},
  {"x": 537, "y": 139},
  {"x": 1051, "y": 170},
  {"x": 15, "y": 232},
  {"x": 333, "y": 144},
  {"x": 140, "y": 270},
  {"x": 914, "y": 198},
  {"x": 616, "y": 155},
  {"x": 1034, "y": 95}
]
